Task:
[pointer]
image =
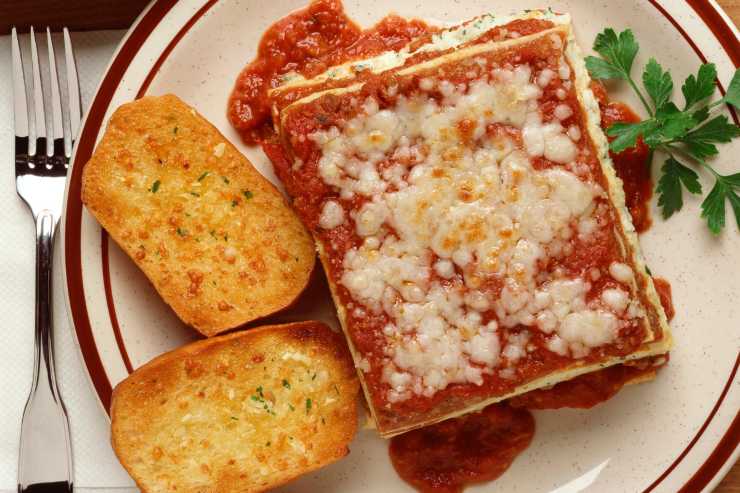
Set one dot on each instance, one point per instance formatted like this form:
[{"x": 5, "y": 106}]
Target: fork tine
[
  {"x": 38, "y": 94},
  {"x": 20, "y": 103},
  {"x": 73, "y": 87},
  {"x": 57, "y": 130}
]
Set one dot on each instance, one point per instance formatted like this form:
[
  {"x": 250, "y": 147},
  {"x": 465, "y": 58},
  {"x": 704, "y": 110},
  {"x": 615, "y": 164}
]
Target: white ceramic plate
[{"x": 680, "y": 431}]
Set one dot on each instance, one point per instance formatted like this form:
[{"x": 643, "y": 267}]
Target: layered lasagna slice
[
  {"x": 471, "y": 225},
  {"x": 482, "y": 29}
]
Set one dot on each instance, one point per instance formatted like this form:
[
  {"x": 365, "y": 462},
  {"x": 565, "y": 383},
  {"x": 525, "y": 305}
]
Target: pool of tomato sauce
[
  {"x": 478, "y": 447},
  {"x": 308, "y": 41}
]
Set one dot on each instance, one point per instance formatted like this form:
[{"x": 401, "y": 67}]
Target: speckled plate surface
[{"x": 680, "y": 431}]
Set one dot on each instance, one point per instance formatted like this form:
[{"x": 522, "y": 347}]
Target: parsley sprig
[{"x": 685, "y": 135}]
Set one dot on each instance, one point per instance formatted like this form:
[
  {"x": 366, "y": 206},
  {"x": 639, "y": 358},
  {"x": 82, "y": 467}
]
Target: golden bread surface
[
  {"x": 243, "y": 412},
  {"x": 218, "y": 240}
]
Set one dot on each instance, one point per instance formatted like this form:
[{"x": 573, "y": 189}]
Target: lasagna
[{"x": 468, "y": 217}]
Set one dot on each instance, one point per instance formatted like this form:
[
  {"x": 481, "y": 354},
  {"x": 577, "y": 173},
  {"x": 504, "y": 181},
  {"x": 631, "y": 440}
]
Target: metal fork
[{"x": 41, "y": 162}]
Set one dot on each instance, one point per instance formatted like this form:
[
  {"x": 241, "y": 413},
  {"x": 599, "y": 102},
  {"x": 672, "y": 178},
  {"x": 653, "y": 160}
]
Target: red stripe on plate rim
[
  {"x": 105, "y": 260},
  {"x": 73, "y": 213},
  {"x": 117, "y": 333}
]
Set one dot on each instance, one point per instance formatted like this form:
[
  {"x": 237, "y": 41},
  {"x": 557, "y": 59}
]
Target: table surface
[{"x": 114, "y": 14}]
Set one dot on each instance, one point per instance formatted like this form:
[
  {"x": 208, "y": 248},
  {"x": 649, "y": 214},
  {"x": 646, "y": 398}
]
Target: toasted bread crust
[
  {"x": 243, "y": 412},
  {"x": 216, "y": 239}
]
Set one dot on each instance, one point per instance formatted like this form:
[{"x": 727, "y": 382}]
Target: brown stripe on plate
[
  {"x": 105, "y": 258},
  {"x": 171, "y": 45},
  {"x": 73, "y": 215},
  {"x": 703, "y": 473},
  {"x": 719, "y": 27},
  {"x": 714, "y": 463}
]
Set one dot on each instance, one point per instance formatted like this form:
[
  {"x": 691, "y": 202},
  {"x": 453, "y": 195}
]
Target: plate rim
[{"x": 708, "y": 475}]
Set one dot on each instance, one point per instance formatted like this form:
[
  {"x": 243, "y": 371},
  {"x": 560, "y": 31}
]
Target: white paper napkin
[{"x": 94, "y": 463}]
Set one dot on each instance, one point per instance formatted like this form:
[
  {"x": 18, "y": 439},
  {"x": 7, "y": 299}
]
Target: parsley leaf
[
  {"x": 718, "y": 129},
  {"x": 735, "y": 203},
  {"x": 733, "y": 91},
  {"x": 701, "y": 150},
  {"x": 672, "y": 122},
  {"x": 627, "y": 133},
  {"x": 659, "y": 84},
  {"x": 619, "y": 50},
  {"x": 670, "y": 193},
  {"x": 618, "y": 53},
  {"x": 691, "y": 132},
  {"x": 602, "y": 70},
  {"x": 702, "y": 86},
  {"x": 732, "y": 180},
  {"x": 668, "y": 124},
  {"x": 700, "y": 115},
  {"x": 713, "y": 207},
  {"x": 700, "y": 142}
]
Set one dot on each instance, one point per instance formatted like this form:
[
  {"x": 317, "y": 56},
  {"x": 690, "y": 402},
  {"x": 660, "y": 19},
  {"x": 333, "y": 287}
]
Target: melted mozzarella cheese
[
  {"x": 370, "y": 217},
  {"x": 590, "y": 328},
  {"x": 621, "y": 272},
  {"x": 332, "y": 215},
  {"x": 445, "y": 217},
  {"x": 615, "y": 299}
]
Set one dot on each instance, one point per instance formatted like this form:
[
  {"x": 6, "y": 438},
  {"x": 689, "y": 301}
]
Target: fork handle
[
  {"x": 45, "y": 462},
  {"x": 44, "y": 357}
]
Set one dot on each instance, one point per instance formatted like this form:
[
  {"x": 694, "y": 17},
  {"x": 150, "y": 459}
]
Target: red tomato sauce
[
  {"x": 663, "y": 287},
  {"x": 518, "y": 27},
  {"x": 631, "y": 164},
  {"x": 445, "y": 457},
  {"x": 584, "y": 391},
  {"x": 308, "y": 42}
]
